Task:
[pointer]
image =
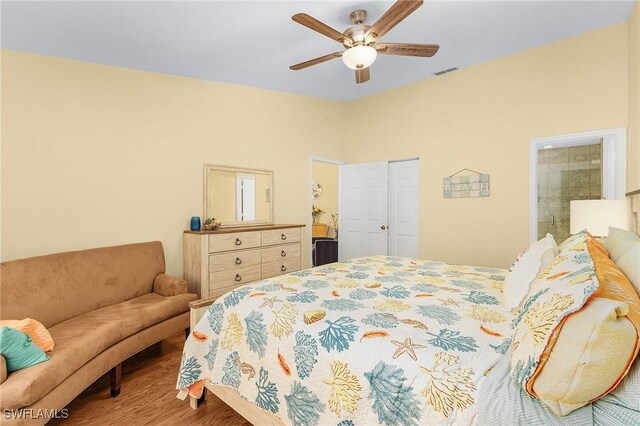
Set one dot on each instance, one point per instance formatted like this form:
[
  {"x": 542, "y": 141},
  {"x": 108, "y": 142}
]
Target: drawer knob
[
  {"x": 283, "y": 237},
  {"x": 283, "y": 253},
  {"x": 283, "y": 268},
  {"x": 238, "y": 278},
  {"x": 238, "y": 241},
  {"x": 238, "y": 261}
]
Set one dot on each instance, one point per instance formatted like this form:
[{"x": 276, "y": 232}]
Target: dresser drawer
[
  {"x": 234, "y": 260},
  {"x": 279, "y": 267},
  {"x": 217, "y": 292},
  {"x": 234, "y": 241},
  {"x": 281, "y": 252},
  {"x": 228, "y": 277},
  {"x": 280, "y": 236}
]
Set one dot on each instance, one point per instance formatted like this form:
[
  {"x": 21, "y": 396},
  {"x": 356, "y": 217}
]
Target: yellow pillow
[
  {"x": 39, "y": 334},
  {"x": 591, "y": 351}
]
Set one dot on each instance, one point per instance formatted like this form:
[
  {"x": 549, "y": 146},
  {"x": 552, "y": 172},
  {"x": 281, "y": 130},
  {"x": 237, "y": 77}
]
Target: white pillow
[
  {"x": 524, "y": 270},
  {"x": 624, "y": 249}
]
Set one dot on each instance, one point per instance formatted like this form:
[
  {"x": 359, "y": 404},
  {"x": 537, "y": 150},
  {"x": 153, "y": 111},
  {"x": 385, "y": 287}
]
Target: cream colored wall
[
  {"x": 327, "y": 174},
  {"x": 116, "y": 155},
  {"x": 633, "y": 150},
  {"x": 483, "y": 118},
  {"x": 222, "y": 196}
]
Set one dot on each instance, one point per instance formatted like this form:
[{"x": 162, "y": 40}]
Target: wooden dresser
[{"x": 217, "y": 261}]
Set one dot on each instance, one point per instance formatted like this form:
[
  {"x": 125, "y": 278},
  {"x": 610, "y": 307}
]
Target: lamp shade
[
  {"x": 596, "y": 216},
  {"x": 359, "y": 57}
]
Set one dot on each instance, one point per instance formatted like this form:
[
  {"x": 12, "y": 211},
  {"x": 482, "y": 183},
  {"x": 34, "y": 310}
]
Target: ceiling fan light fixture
[
  {"x": 359, "y": 39},
  {"x": 359, "y": 57}
]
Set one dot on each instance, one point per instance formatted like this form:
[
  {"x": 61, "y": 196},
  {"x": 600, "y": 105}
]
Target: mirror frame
[{"x": 212, "y": 167}]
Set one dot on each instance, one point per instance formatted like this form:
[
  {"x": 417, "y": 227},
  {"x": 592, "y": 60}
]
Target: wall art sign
[{"x": 465, "y": 186}]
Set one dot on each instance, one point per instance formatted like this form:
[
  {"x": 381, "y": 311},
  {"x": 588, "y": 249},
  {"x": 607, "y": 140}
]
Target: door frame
[
  {"x": 309, "y": 227},
  {"x": 614, "y": 166}
]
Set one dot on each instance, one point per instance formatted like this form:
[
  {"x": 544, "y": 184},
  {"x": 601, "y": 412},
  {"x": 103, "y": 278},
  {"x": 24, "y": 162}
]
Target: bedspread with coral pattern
[{"x": 377, "y": 340}]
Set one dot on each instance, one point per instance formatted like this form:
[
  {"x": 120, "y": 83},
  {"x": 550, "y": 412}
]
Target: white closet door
[
  {"x": 403, "y": 208},
  {"x": 364, "y": 210},
  {"x": 245, "y": 198}
]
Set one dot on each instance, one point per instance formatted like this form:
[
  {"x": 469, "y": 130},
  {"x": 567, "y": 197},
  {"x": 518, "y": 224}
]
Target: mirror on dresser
[{"x": 238, "y": 196}]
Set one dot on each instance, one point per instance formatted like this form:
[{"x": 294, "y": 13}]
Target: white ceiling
[{"x": 253, "y": 43}]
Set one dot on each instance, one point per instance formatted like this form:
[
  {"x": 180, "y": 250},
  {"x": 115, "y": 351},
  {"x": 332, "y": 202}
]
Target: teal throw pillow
[{"x": 18, "y": 350}]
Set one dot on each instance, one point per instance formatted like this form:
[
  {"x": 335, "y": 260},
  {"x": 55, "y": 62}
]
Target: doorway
[
  {"x": 325, "y": 207},
  {"x": 580, "y": 166},
  {"x": 566, "y": 174},
  {"x": 379, "y": 209}
]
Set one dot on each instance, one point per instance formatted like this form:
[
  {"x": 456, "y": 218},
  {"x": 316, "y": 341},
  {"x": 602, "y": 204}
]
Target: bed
[
  {"x": 376, "y": 340},
  {"x": 327, "y": 345}
]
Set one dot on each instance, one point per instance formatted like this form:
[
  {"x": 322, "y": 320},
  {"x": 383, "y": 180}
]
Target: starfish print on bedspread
[
  {"x": 269, "y": 301},
  {"x": 406, "y": 347}
]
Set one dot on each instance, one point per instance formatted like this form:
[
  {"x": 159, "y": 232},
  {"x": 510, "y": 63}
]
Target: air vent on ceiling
[{"x": 448, "y": 70}]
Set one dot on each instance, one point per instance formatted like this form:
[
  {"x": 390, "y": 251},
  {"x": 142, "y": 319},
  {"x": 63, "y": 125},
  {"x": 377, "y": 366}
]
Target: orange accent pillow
[
  {"x": 614, "y": 285},
  {"x": 39, "y": 334},
  {"x": 596, "y": 245}
]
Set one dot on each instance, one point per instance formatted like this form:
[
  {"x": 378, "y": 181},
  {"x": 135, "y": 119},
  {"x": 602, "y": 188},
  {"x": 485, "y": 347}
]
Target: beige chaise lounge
[{"x": 101, "y": 306}]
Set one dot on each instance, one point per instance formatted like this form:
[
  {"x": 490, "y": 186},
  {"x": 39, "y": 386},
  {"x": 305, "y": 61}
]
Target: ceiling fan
[{"x": 361, "y": 40}]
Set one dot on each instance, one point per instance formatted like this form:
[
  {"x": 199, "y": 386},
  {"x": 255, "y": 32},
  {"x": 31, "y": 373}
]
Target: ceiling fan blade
[
  {"x": 324, "y": 29},
  {"x": 392, "y": 17},
  {"x": 315, "y": 61},
  {"x": 362, "y": 75},
  {"x": 408, "y": 49}
]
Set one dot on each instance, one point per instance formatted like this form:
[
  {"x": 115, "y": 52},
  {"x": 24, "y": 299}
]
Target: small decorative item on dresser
[
  {"x": 211, "y": 224},
  {"x": 316, "y": 212},
  {"x": 334, "y": 223},
  {"x": 195, "y": 223}
]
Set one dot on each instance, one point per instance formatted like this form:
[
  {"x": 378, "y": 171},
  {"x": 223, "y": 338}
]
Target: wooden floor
[{"x": 148, "y": 395}]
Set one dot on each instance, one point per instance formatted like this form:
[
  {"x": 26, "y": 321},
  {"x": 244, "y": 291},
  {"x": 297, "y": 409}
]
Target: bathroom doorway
[
  {"x": 566, "y": 174},
  {"x": 580, "y": 166}
]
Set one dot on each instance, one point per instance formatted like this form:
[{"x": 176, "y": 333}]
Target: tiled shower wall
[{"x": 565, "y": 174}]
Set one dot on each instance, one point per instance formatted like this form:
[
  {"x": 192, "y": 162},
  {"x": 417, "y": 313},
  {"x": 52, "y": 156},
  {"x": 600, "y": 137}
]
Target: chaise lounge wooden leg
[
  {"x": 115, "y": 374},
  {"x": 187, "y": 331}
]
